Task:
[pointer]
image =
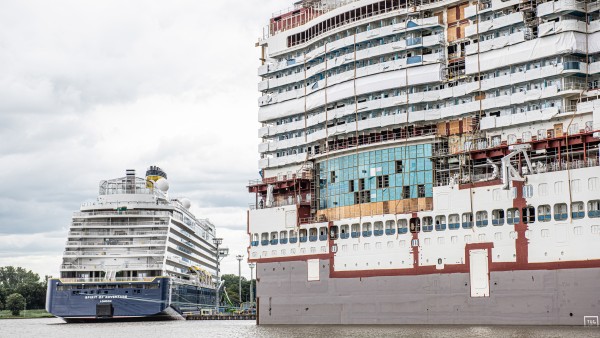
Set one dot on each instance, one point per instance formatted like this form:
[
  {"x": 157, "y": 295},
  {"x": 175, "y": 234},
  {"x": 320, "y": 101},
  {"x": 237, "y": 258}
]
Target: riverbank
[{"x": 29, "y": 314}]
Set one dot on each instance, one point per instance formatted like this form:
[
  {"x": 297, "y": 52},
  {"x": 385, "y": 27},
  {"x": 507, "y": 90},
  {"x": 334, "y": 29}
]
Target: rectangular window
[
  {"x": 351, "y": 186},
  {"x": 332, "y": 177},
  {"x": 398, "y": 167},
  {"x": 361, "y": 184},
  {"x": 405, "y": 192},
  {"x": 383, "y": 181},
  {"x": 421, "y": 190}
]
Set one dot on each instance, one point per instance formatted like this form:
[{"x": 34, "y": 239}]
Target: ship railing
[
  {"x": 104, "y": 280},
  {"x": 541, "y": 167},
  {"x": 113, "y": 253},
  {"x": 110, "y": 243},
  {"x": 305, "y": 175},
  {"x": 102, "y": 267},
  {"x": 401, "y": 135},
  {"x": 116, "y": 223},
  {"x": 117, "y": 233},
  {"x": 281, "y": 203},
  {"x": 124, "y": 212}
]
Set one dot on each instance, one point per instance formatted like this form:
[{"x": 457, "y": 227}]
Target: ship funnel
[{"x": 153, "y": 175}]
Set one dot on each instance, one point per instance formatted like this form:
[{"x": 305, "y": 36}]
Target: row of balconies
[
  {"x": 118, "y": 233},
  {"x": 376, "y": 33},
  {"x": 115, "y": 243},
  {"x": 431, "y": 114},
  {"x": 364, "y": 54},
  {"x": 121, "y": 253},
  {"x": 95, "y": 267},
  {"x": 491, "y": 25},
  {"x": 433, "y": 95},
  {"x": 428, "y": 96},
  {"x": 122, "y": 213},
  {"x": 377, "y": 68}
]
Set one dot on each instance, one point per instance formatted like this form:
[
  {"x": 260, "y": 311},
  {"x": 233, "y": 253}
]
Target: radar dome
[
  {"x": 162, "y": 184},
  {"x": 186, "y": 203}
]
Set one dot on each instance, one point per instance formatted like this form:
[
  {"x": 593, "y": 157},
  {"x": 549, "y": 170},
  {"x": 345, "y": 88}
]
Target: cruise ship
[
  {"x": 135, "y": 254},
  {"x": 428, "y": 162}
]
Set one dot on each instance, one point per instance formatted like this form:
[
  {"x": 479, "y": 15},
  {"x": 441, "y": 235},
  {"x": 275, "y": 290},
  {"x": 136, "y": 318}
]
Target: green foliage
[
  {"x": 25, "y": 283},
  {"x": 15, "y": 303},
  {"x": 231, "y": 284}
]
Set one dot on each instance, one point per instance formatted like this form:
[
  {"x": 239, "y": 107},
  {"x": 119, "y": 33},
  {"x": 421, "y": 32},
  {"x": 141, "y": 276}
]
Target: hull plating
[{"x": 541, "y": 297}]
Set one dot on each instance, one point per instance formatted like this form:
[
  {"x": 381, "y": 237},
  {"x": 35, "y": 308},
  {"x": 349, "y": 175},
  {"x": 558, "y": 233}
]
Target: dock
[{"x": 221, "y": 317}]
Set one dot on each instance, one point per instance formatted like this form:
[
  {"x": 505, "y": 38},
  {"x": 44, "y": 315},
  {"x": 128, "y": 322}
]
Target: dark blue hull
[{"x": 108, "y": 301}]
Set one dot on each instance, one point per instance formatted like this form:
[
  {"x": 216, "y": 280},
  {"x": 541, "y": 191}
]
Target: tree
[
  {"x": 231, "y": 283},
  {"x": 15, "y": 303},
  {"x": 24, "y": 282}
]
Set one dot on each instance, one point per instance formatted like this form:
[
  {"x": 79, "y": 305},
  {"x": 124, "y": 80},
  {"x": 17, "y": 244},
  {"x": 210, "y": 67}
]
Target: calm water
[{"x": 52, "y": 327}]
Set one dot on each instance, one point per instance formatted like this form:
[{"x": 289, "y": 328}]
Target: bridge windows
[
  {"x": 323, "y": 233},
  {"x": 355, "y": 230},
  {"x": 513, "y": 216},
  {"x": 378, "y": 229},
  {"x": 344, "y": 231},
  {"x": 467, "y": 220},
  {"x": 594, "y": 209},
  {"x": 440, "y": 223},
  {"x": 390, "y": 228},
  {"x": 293, "y": 236},
  {"x": 577, "y": 210},
  {"x": 402, "y": 226},
  {"x": 366, "y": 229},
  {"x": 544, "y": 213},
  {"x": 498, "y": 217},
  {"x": 415, "y": 225},
  {"x": 453, "y": 222},
  {"x": 481, "y": 219},
  {"x": 427, "y": 224},
  {"x": 560, "y": 212},
  {"x": 529, "y": 215}
]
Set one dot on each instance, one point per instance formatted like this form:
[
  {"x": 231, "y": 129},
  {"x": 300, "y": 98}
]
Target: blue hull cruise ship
[{"x": 135, "y": 254}]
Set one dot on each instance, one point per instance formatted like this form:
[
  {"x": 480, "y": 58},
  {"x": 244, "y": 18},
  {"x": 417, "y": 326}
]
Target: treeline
[
  {"x": 231, "y": 284},
  {"x": 24, "y": 282}
]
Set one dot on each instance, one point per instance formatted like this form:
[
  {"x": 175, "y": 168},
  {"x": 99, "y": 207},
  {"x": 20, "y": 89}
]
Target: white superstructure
[
  {"x": 427, "y": 138},
  {"x": 135, "y": 231}
]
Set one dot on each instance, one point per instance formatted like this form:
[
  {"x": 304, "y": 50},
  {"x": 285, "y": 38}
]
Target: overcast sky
[{"x": 91, "y": 88}]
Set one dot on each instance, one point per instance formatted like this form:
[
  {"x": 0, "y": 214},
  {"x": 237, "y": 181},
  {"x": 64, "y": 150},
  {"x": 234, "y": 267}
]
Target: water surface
[{"x": 54, "y": 327}]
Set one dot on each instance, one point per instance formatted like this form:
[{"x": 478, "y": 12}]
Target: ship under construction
[{"x": 428, "y": 162}]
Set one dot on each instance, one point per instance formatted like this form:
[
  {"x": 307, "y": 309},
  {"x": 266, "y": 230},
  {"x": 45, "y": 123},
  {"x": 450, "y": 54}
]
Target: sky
[{"x": 91, "y": 88}]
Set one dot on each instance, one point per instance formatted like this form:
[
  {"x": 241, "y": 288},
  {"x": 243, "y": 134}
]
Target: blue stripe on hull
[
  {"x": 130, "y": 301},
  {"x": 127, "y": 299}
]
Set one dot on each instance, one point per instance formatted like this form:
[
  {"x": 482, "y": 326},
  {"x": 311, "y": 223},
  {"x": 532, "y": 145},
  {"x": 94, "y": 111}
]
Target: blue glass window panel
[
  {"x": 384, "y": 156},
  {"x": 428, "y": 177},
  {"x": 413, "y": 191},
  {"x": 428, "y": 190},
  {"x": 428, "y": 165},
  {"x": 386, "y": 195},
  {"x": 421, "y": 177},
  {"x": 412, "y": 165},
  {"x": 427, "y": 150}
]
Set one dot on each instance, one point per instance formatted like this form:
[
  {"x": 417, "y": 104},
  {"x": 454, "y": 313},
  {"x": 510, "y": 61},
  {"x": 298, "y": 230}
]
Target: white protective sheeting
[
  {"x": 368, "y": 84},
  {"x": 491, "y": 122},
  {"x": 564, "y": 43}
]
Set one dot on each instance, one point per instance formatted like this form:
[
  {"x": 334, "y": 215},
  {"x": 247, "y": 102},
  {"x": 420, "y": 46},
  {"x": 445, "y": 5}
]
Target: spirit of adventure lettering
[{"x": 106, "y": 297}]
